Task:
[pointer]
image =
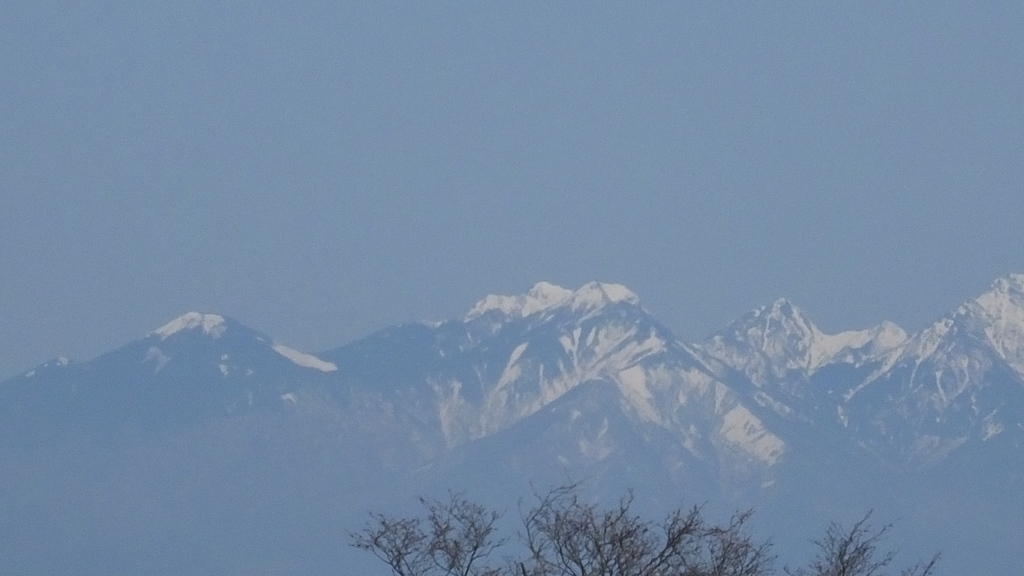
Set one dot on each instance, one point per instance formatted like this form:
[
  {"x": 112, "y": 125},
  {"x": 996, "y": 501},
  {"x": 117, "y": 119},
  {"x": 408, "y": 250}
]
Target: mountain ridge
[
  {"x": 601, "y": 331},
  {"x": 521, "y": 391}
]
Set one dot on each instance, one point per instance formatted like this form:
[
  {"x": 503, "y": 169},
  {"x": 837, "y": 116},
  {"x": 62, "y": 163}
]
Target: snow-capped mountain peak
[
  {"x": 781, "y": 317},
  {"x": 216, "y": 326},
  {"x": 855, "y": 345},
  {"x": 996, "y": 317},
  {"x": 545, "y": 296},
  {"x": 769, "y": 342},
  {"x": 597, "y": 294},
  {"x": 1003, "y": 311},
  {"x": 774, "y": 338},
  {"x": 1009, "y": 283},
  {"x": 211, "y": 324},
  {"x": 1005, "y": 300}
]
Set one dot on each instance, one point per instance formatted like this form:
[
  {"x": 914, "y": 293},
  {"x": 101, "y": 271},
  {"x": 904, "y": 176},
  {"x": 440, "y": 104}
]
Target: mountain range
[{"x": 207, "y": 447}]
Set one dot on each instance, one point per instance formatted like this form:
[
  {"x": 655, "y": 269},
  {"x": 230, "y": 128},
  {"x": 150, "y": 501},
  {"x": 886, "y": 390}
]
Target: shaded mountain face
[{"x": 189, "y": 435}]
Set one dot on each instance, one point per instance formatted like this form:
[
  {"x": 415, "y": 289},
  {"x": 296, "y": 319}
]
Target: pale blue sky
[{"x": 319, "y": 170}]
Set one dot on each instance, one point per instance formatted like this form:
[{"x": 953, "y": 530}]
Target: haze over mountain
[{"x": 207, "y": 447}]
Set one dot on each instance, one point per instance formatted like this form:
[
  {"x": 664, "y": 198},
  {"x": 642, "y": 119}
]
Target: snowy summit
[
  {"x": 545, "y": 296},
  {"x": 211, "y": 324},
  {"x": 778, "y": 338}
]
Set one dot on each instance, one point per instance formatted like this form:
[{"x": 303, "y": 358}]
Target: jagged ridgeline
[{"x": 207, "y": 447}]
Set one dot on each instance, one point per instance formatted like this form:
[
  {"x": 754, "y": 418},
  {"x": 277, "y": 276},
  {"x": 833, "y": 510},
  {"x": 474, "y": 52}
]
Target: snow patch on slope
[
  {"x": 55, "y": 363},
  {"x": 158, "y": 357},
  {"x": 512, "y": 371},
  {"x": 633, "y": 385},
  {"x": 600, "y": 446},
  {"x": 304, "y": 360},
  {"x": 741, "y": 428}
]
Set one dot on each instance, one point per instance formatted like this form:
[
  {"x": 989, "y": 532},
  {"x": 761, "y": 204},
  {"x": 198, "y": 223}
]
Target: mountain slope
[
  {"x": 960, "y": 381},
  {"x": 196, "y": 366},
  {"x": 511, "y": 357}
]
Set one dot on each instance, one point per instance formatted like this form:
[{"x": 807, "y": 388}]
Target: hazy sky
[{"x": 319, "y": 170}]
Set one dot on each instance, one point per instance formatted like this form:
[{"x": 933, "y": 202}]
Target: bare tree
[
  {"x": 455, "y": 538},
  {"x": 565, "y": 535},
  {"x": 732, "y": 552},
  {"x": 855, "y": 552}
]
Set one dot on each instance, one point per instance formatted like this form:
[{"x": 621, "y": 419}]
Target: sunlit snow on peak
[
  {"x": 997, "y": 316},
  {"x": 888, "y": 335},
  {"x": 1000, "y": 312},
  {"x": 1005, "y": 299},
  {"x": 211, "y": 324},
  {"x": 852, "y": 345},
  {"x": 1010, "y": 283},
  {"x": 545, "y": 296},
  {"x": 597, "y": 294},
  {"x": 773, "y": 340},
  {"x": 785, "y": 307}
]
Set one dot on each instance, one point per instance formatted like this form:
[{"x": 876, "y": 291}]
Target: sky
[{"x": 321, "y": 170}]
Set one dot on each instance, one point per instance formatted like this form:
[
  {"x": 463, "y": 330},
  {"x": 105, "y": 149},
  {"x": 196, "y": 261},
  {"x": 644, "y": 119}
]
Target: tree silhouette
[
  {"x": 564, "y": 535},
  {"x": 855, "y": 552}
]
